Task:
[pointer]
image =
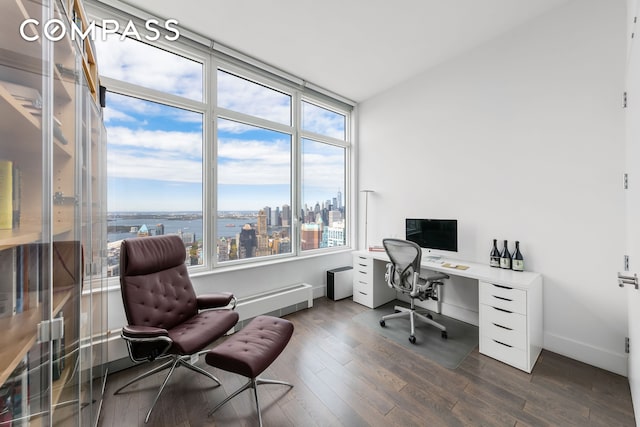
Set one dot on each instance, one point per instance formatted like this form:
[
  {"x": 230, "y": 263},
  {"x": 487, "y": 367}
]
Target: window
[
  {"x": 154, "y": 149},
  {"x": 154, "y": 170},
  {"x": 244, "y": 96},
  {"x": 254, "y": 192},
  {"x": 141, "y": 64},
  {"x": 258, "y": 174},
  {"x": 323, "y": 121},
  {"x": 323, "y": 214}
]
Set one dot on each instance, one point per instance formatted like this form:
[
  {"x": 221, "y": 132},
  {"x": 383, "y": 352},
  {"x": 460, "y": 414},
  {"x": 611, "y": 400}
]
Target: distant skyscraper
[
  {"x": 286, "y": 215},
  {"x": 267, "y": 211},
  {"x": 159, "y": 229},
  {"x": 311, "y": 236},
  {"x": 262, "y": 240},
  {"x": 248, "y": 242},
  {"x": 334, "y": 216},
  {"x": 335, "y": 235},
  {"x": 223, "y": 249},
  {"x": 261, "y": 227},
  {"x": 339, "y": 201},
  {"x": 275, "y": 217}
]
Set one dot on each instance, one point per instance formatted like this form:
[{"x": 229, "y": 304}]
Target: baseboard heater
[{"x": 278, "y": 302}]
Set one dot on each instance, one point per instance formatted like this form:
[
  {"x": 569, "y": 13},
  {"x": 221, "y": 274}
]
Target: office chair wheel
[
  {"x": 412, "y": 339},
  {"x": 429, "y": 316},
  {"x": 444, "y": 335},
  {"x": 382, "y": 323}
]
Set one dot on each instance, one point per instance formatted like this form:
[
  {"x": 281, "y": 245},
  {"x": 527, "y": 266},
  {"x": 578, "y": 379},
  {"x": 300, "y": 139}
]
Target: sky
[{"x": 154, "y": 160}]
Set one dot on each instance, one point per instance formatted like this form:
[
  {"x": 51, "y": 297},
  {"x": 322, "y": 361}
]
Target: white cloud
[
  {"x": 138, "y": 63},
  {"x": 241, "y": 95},
  {"x": 153, "y": 166},
  {"x": 169, "y": 142}
]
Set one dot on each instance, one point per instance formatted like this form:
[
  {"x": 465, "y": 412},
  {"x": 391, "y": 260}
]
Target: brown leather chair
[{"x": 166, "y": 318}]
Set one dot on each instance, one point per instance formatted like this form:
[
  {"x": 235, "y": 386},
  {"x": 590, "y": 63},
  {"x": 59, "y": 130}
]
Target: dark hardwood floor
[{"x": 346, "y": 375}]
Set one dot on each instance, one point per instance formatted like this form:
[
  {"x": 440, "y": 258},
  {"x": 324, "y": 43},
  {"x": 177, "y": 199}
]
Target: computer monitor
[{"x": 437, "y": 234}]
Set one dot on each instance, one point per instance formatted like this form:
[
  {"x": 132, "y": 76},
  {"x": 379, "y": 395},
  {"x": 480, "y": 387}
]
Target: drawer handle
[
  {"x": 364, "y": 283},
  {"x": 506, "y": 345},
  {"x": 502, "y": 298},
  {"x": 363, "y": 272},
  {"x": 363, "y": 293},
  {"x": 503, "y": 327},
  {"x": 362, "y": 265},
  {"x": 502, "y": 309},
  {"x": 501, "y": 286}
]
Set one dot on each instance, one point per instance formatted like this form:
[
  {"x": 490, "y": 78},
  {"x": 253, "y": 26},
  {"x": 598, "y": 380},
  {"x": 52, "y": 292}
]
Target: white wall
[{"x": 520, "y": 139}]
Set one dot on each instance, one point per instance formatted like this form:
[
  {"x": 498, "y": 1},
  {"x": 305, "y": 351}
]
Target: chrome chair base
[
  {"x": 171, "y": 365},
  {"x": 252, "y": 383}
]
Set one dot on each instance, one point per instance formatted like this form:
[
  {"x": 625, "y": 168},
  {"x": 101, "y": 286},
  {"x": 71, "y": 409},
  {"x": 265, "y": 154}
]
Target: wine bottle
[
  {"x": 494, "y": 256},
  {"x": 517, "y": 261},
  {"x": 505, "y": 257}
]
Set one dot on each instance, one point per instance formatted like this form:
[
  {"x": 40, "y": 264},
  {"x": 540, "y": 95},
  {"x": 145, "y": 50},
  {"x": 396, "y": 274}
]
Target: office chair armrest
[
  {"x": 143, "y": 332},
  {"x": 217, "y": 300}
]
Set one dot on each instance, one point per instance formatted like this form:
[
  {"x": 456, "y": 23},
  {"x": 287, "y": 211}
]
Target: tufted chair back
[{"x": 155, "y": 285}]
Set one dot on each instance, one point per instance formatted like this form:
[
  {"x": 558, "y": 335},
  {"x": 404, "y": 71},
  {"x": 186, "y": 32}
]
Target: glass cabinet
[{"x": 52, "y": 219}]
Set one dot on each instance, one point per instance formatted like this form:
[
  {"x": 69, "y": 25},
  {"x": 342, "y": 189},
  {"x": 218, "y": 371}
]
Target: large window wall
[{"x": 243, "y": 165}]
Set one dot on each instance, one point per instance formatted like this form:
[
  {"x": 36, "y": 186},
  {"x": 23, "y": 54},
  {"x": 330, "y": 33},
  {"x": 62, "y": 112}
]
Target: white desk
[{"x": 510, "y": 312}]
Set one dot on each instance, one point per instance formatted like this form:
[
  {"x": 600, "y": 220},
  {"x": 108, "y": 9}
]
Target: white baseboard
[
  {"x": 319, "y": 291},
  {"x": 595, "y": 356}
]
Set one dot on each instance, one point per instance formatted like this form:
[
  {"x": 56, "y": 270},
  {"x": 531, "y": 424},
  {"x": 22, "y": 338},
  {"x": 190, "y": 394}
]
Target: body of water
[
  {"x": 120, "y": 226},
  {"x": 228, "y": 225}
]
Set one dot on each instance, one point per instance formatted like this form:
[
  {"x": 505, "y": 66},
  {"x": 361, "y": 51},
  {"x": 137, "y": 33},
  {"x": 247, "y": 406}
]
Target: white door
[{"x": 633, "y": 203}]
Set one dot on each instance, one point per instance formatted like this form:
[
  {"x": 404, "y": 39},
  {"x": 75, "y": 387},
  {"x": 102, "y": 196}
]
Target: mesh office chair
[
  {"x": 403, "y": 274},
  {"x": 166, "y": 318}
]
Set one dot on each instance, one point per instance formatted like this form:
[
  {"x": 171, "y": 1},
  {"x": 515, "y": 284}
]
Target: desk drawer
[
  {"x": 513, "y": 321},
  {"x": 513, "y": 356},
  {"x": 509, "y": 299},
  {"x": 364, "y": 278},
  {"x": 362, "y": 294},
  {"x": 363, "y": 265},
  {"x": 506, "y": 335}
]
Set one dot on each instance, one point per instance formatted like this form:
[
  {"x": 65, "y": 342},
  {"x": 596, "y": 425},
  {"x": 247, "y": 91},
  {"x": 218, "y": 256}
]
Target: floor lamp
[{"x": 366, "y": 216}]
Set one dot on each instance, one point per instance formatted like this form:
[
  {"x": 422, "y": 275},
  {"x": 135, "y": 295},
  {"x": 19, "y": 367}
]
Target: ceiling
[{"x": 355, "y": 48}]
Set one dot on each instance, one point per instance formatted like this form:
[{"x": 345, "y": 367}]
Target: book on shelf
[
  {"x": 33, "y": 274},
  {"x": 16, "y": 194},
  {"x": 19, "y": 384},
  {"x": 57, "y": 360},
  {"x": 19, "y": 267},
  {"x": 6, "y": 405},
  {"x": 38, "y": 364},
  {"x": 6, "y": 194},
  {"x": 8, "y": 282}
]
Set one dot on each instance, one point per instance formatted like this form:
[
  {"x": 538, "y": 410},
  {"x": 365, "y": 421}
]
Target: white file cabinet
[
  {"x": 511, "y": 323},
  {"x": 510, "y": 304},
  {"x": 369, "y": 287}
]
